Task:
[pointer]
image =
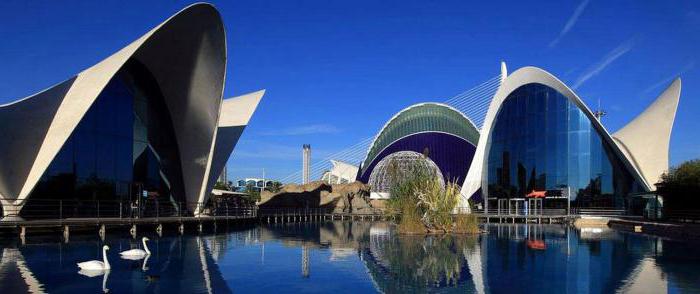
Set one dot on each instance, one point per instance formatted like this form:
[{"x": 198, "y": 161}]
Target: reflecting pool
[{"x": 359, "y": 257}]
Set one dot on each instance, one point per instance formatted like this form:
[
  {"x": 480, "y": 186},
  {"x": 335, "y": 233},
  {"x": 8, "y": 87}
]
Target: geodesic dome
[{"x": 402, "y": 163}]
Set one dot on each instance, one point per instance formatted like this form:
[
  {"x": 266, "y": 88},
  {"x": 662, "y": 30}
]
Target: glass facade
[
  {"x": 542, "y": 141},
  {"x": 124, "y": 149}
]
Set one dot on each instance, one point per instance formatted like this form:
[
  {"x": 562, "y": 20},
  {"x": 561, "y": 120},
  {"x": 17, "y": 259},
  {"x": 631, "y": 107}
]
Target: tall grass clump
[
  {"x": 421, "y": 203},
  {"x": 466, "y": 224},
  {"x": 437, "y": 203},
  {"x": 406, "y": 181}
]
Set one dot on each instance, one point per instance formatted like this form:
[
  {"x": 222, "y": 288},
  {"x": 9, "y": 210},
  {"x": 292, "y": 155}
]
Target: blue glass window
[
  {"x": 122, "y": 149},
  {"x": 542, "y": 141}
]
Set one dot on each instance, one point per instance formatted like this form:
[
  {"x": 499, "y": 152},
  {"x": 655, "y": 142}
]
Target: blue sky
[{"x": 335, "y": 71}]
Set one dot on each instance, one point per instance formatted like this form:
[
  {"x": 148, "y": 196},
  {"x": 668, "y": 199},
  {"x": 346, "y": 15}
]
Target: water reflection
[
  {"x": 15, "y": 274},
  {"x": 183, "y": 264},
  {"x": 364, "y": 257}
]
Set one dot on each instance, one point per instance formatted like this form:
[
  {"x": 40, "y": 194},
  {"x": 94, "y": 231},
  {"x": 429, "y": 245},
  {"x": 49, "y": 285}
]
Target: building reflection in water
[
  {"x": 14, "y": 271},
  {"x": 522, "y": 258},
  {"x": 182, "y": 263}
]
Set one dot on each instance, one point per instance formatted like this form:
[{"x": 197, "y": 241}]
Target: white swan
[
  {"x": 96, "y": 265},
  {"x": 137, "y": 253}
]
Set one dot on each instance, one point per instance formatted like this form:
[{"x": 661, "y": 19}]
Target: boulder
[{"x": 339, "y": 198}]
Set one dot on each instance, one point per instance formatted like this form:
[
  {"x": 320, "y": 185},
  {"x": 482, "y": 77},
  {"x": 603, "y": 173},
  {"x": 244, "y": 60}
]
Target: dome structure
[
  {"x": 442, "y": 133},
  {"x": 399, "y": 165}
]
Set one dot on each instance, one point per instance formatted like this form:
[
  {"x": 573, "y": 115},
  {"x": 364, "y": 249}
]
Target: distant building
[
  {"x": 258, "y": 183},
  {"x": 306, "y": 164},
  {"x": 223, "y": 177},
  {"x": 340, "y": 173}
]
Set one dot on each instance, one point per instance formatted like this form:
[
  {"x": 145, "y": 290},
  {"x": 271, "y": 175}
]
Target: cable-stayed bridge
[{"x": 474, "y": 103}]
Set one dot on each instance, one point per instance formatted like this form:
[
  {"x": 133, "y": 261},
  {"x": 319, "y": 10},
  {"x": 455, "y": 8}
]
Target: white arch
[
  {"x": 527, "y": 75},
  {"x": 186, "y": 55},
  {"x": 381, "y": 131}
]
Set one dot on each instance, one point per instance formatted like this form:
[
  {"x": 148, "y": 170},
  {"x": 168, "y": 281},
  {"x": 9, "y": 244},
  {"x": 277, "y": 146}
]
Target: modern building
[
  {"x": 148, "y": 122},
  {"x": 340, "y": 173},
  {"x": 257, "y": 183},
  {"x": 539, "y": 137},
  {"x": 436, "y": 131}
]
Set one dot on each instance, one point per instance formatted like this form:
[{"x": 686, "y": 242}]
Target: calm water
[{"x": 363, "y": 257}]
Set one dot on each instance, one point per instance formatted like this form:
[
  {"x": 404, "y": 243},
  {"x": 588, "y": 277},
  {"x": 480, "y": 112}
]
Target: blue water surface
[{"x": 359, "y": 257}]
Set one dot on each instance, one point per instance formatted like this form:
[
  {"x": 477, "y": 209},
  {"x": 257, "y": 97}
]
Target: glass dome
[{"x": 401, "y": 163}]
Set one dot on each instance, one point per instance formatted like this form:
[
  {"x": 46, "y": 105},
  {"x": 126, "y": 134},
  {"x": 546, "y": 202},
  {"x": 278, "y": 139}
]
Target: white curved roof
[
  {"x": 528, "y": 75},
  {"x": 646, "y": 139},
  {"x": 237, "y": 111},
  {"x": 186, "y": 55},
  {"x": 234, "y": 117}
]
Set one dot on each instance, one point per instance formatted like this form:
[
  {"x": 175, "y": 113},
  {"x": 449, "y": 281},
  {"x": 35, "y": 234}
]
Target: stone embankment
[
  {"x": 338, "y": 198},
  {"x": 681, "y": 231}
]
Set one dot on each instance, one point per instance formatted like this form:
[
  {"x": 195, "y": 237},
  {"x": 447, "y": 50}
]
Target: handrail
[{"x": 63, "y": 209}]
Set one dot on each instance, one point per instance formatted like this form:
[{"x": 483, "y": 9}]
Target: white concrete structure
[
  {"x": 186, "y": 55},
  {"x": 340, "y": 173},
  {"x": 642, "y": 145},
  {"x": 646, "y": 139},
  {"x": 235, "y": 115}
]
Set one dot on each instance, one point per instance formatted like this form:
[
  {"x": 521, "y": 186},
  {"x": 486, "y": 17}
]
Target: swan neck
[
  {"x": 104, "y": 259},
  {"x": 145, "y": 247}
]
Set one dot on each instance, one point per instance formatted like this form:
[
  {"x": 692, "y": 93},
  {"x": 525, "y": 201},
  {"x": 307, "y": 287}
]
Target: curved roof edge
[
  {"x": 647, "y": 137},
  {"x": 520, "y": 77},
  {"x": 235, "y": 114},
  {"x": 195, "y": 72},
  {"x": 393, "y": 118},
  {"x": 237, "y": 111}
]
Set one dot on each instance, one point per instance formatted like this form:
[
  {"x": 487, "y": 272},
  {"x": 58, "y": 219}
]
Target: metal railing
[
  {"x": 146, "y": 208},
  {"x": 284, "y": 211},
  {"x": 520, "y": 211},
  {"x": 598, "y": 211}
]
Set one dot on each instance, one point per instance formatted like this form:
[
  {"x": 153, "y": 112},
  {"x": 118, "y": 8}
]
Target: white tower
[{"x": 306, "y": 163}]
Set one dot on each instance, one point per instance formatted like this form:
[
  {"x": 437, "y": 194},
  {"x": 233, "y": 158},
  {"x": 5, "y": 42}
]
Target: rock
[{"x": 345, "y": 198}]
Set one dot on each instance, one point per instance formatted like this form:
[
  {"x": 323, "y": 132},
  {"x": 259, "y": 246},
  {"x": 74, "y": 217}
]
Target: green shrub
[
  {"x": 421, "y": 203},
  {"x": 680, "y": 187}
]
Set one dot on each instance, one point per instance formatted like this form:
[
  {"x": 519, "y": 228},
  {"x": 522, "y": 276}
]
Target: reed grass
[{"x": 422, "y": 204}]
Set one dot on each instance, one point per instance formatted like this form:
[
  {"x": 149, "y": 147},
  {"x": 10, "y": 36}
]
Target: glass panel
[
  {"x": 124, "y": 146},
  {"x": 542, "y": 141}
]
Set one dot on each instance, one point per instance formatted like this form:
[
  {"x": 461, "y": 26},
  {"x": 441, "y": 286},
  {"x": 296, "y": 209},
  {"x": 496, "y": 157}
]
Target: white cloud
[
  {"x": 667, "y": 80},
  {"x": 570, "y": 23},
  {"x": 304, "y": 130},
  {"x": 599, "y": 66}
]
